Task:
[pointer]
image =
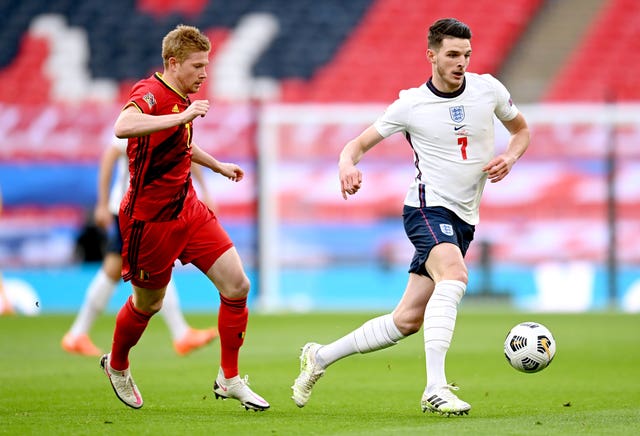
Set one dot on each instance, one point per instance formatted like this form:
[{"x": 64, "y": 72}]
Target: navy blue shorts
[
  {"x": 427, "y": 227},
  {"x": 114, "y": 237}
]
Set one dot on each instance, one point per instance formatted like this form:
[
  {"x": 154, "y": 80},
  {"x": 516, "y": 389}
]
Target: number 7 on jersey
[{"x": 462, "y": 142}]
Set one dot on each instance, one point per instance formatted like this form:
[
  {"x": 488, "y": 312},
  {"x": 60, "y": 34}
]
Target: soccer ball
[{"x": 529, "y": 347}]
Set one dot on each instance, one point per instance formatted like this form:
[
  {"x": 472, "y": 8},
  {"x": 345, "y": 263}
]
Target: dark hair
[{"x": 447, "y": 28}]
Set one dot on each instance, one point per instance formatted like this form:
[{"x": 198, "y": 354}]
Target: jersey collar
[
  {"x": 453, "y": 94},
  {"x": 165, "y": 83}
]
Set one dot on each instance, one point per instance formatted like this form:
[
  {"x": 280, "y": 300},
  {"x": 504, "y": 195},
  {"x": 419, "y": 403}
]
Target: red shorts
[{"x": 150, "y": 249}]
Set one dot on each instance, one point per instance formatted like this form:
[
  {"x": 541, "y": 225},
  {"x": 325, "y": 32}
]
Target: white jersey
[
  {"x": 452, "y": 137},
  {"x": 121, "y": 179}
]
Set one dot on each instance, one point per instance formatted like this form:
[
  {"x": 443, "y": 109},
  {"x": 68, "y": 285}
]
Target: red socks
[
  {"x": 130, "y": 324},
  {"x": 232, "y": 323}
]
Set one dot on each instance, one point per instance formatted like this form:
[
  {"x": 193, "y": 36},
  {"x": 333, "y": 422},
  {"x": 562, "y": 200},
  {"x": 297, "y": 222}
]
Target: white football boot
[
  {"x": 122, "y": 383},
  {"x": 310, "y": 372},
  {"x": 238, "y": 388},
  {"x": 444, "y": 402}
]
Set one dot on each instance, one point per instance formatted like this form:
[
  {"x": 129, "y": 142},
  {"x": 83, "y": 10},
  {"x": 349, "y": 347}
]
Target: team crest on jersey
[
  {"x": 150, "y": 99},
  {"x": 447, "y": 229},
  {"x": 457, "y": 113}
]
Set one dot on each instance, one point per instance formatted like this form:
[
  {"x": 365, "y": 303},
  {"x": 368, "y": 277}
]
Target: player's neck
[
  {"x": 172, "y": 82},
  {"x": 439, "y": 89},
  {"x": 443, "y": 86}
]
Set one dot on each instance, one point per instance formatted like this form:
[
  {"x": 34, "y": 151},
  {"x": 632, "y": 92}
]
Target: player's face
[
  {"x": 191, "y": 73},
  {"x": 449, "y": 63}
]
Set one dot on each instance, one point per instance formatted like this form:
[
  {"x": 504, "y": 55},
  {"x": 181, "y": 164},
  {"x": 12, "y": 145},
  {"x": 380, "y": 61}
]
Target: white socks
[
  {"x": 381, "y": 332},
  {"x": 373, "y": 335},
  {"x": 439, "y": 322},
  {"x": 101, "y": 290},
  {"x": 95, "y": 301},
  {"x": 172, "y": 314}
]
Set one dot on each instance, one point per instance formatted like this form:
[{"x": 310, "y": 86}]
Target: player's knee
[
  {"x": 456, "y": 272},
  {"x": 243, "y": 286},
  {"x": 407, "y": 323},
  {"x": 154, "y": 307},
  {"x": 150, "y": 307},
  {"x": 461, "y": 276},
  {"x": 237, "y": 288}
]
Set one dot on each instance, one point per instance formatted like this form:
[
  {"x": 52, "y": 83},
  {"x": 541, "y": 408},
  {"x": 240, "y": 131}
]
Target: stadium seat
[
  {"x": 380, "y": 56},
  {"x": 613, "y": 38}
]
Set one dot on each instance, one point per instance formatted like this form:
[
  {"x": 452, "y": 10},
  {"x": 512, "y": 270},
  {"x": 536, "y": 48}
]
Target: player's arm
[
  {"x": 501, "y": 165},
  {"x": 350, "y": 176},
  {"x": 101, "y": 213},
  {"x": 133, "y": 123},
  {"x": 230, "y": 170}
]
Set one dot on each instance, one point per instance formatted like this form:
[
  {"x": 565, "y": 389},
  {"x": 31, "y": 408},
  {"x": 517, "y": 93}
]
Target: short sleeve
[
  {"x": 395, "y": 118},
  {"x": 505, "y": 109},
  {"x": 143, "y": 98}
]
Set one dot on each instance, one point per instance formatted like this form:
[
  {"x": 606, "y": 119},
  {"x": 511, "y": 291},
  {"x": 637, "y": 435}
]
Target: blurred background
[{"x": 291, "y": 82}]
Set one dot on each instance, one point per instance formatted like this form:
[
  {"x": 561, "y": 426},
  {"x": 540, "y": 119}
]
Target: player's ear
[{"x": 431, "y": 55}]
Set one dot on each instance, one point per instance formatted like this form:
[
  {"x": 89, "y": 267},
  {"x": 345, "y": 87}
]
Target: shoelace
[
  {"x": 245, "y": 380},
  {"x": 447, "y": 394},
  {"x": 123, "y": 379},
  {"x": 312, "y": 378}
]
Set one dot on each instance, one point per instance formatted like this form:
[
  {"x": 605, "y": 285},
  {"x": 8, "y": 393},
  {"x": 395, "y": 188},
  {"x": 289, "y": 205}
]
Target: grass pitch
[{"x": 592, "y": 386}]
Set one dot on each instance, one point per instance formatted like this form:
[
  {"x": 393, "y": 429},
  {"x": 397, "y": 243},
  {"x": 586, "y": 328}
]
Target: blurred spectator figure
[
  {"x": 103, "y": 285},
  {"x": 90, "y": 244}
]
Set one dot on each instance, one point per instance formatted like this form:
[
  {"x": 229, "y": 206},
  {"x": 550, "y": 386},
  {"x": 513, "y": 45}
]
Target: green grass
[{"x": 592, "y": 386}]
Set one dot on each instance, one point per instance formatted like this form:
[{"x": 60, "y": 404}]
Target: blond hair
[{"x": 183, "y": 41}]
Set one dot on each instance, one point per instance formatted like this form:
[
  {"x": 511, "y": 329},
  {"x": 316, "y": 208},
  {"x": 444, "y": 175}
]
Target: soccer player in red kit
[{"x": 161, "y": 218}]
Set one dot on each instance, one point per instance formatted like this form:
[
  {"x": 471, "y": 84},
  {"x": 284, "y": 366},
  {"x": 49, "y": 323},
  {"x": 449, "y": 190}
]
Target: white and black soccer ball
[{"x": 529, "y": 347}]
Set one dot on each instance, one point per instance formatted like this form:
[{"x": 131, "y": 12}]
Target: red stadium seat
[
  {"x": 29, "y": 63},
  {"x": 386, "y": 52},
  {"x": 612, "y": 38}
]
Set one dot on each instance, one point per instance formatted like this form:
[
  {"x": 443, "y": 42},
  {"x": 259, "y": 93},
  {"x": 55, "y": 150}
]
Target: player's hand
[
  {"x": 196, "y": 108},
  {"x": 498, "y": 167},
  {"x": 231, "y": 171},
  {"x": 350, "y": 180},
  {"x": 102, "y": 216}
]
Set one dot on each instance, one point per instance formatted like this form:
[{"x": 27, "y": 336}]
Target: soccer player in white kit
[
  {"x": 77, "y": 340},
  {"x": 449, "y": 125}
]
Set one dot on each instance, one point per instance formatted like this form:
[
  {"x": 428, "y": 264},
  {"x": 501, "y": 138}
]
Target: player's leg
[
  {"x": 376, "y": 334},
  {"x": 148, "y": 254},
  {"x": 97, "y": 297},
  {"x": 383, "y": 331},
  {"x": 227, "y": 274},
  {"x": 211, "y": 250},
  {"x": 440, "y": 240},
  {"x": 185, "y": 339},
  {"x": 446, "y": 265},
  {"x": 131, "y": 322}
]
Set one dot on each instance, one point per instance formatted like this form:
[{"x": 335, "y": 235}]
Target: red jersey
[{"x": 159, "y": 163}]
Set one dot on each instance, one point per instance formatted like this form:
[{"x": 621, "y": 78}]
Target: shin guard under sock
[
  {"x": 232, "y": 323},
  {"x": 130, "y": 324}
]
